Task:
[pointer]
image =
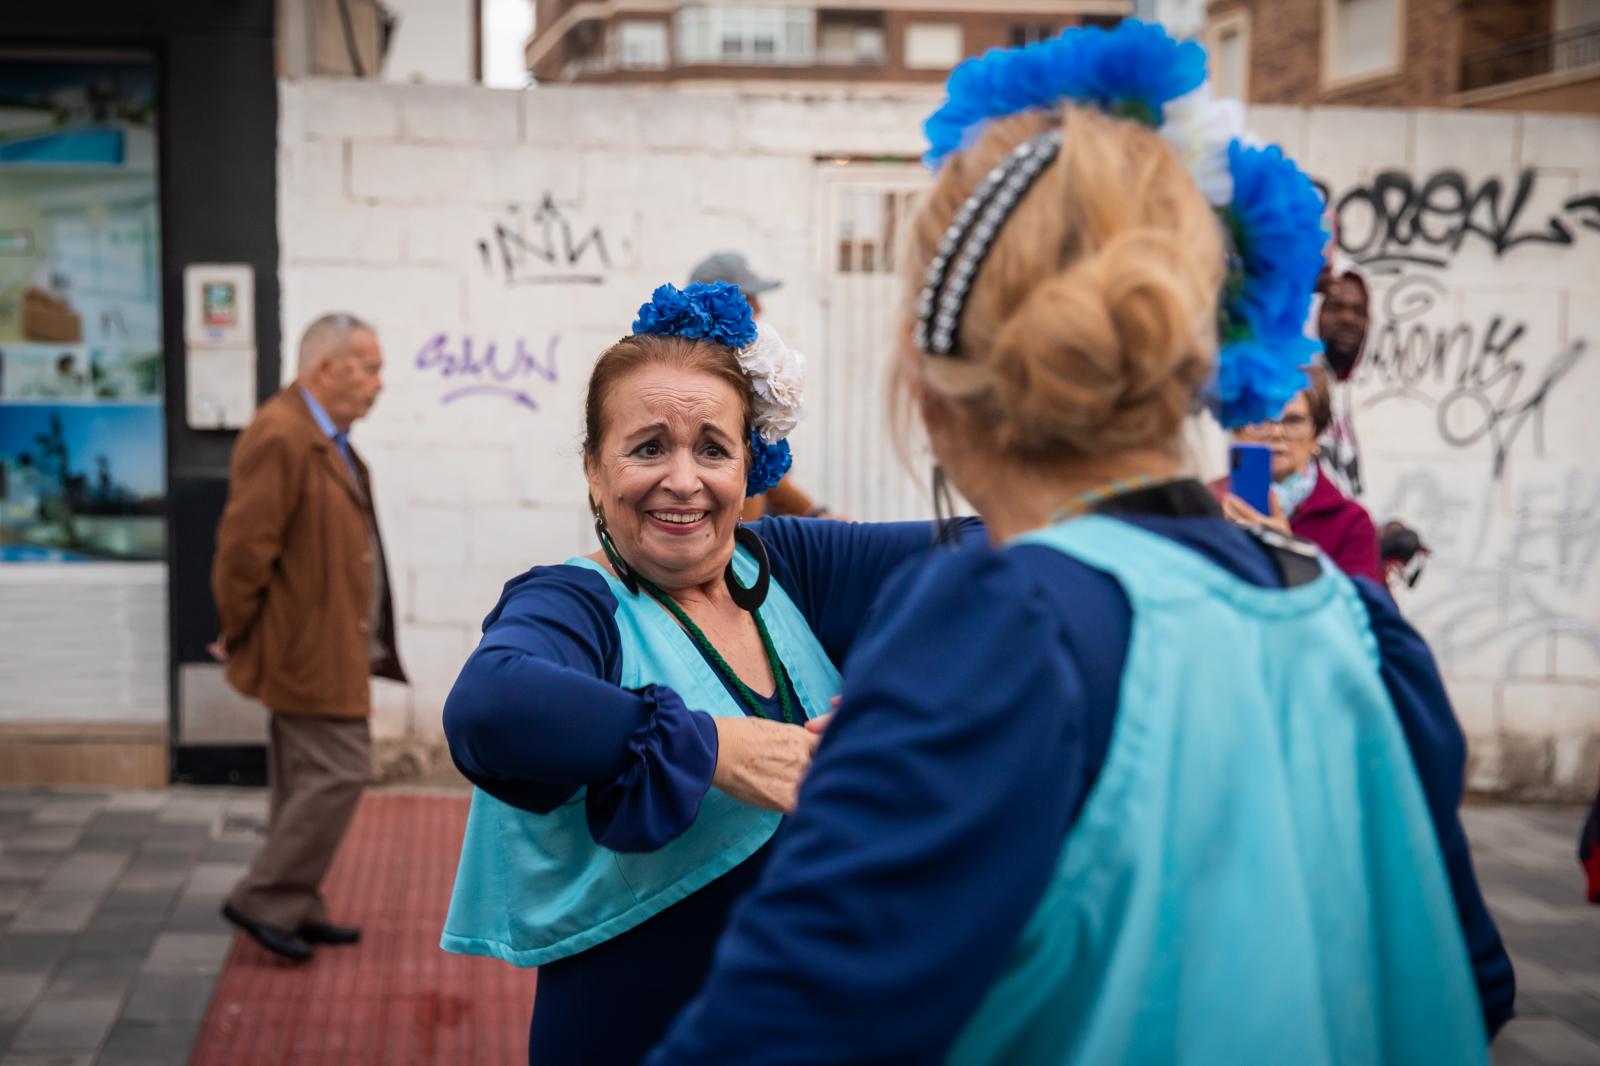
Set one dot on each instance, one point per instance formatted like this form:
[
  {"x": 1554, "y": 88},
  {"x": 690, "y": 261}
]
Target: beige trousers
[{"x": 317, "y": 768}]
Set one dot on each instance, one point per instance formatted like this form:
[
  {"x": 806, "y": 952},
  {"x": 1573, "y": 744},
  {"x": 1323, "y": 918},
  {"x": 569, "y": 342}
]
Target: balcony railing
[{"x": 1551, "y": 53}]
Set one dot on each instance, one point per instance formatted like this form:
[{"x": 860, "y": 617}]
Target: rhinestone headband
[{"x": 945, "y": 287}]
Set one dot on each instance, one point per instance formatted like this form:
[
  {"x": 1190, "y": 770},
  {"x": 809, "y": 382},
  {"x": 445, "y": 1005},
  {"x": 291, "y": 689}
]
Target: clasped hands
[{"x": 762, "y": 762}]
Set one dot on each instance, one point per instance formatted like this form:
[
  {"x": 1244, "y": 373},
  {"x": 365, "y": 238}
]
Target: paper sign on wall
[{"x": 219, "y": 337}]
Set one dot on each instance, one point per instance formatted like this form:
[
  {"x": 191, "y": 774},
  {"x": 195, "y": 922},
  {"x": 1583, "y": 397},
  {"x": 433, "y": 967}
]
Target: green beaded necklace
[{"x": 751, "y": 700}]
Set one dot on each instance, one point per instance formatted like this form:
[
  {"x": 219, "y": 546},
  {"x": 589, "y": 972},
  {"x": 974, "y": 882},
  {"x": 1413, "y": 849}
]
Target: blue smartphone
[{"x": 1250, "y": 475}]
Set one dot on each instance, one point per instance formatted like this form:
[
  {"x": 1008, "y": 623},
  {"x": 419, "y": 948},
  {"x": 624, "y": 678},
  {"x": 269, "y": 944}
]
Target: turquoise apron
[
  {"x": 1254, "y": 878},
  {"x": 533, "y": 888}
]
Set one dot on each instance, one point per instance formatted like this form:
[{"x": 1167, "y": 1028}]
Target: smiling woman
[
  {"x": 665, "y": 453},
  {"x": 638, "y": 720}
]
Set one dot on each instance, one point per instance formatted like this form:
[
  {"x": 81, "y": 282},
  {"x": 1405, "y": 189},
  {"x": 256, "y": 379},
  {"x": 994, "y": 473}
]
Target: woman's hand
[
  {"x": 819, "y": 725},
  {"x": 1239, "y": 511},
  {"x": 762, "y": 763}
]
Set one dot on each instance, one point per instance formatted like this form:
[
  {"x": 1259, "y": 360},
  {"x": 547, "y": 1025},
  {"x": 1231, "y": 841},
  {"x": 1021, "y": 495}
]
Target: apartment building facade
[
  {"x": 1532, "y": 55},
  {"x": 823, "y": 41}
]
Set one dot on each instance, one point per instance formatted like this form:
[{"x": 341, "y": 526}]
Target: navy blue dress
[
  {"x": 931, "y": 814},
  {"x": 538, "y": 713}
]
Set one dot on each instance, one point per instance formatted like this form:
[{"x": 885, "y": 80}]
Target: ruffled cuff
[{"x": 670, "y": 762}]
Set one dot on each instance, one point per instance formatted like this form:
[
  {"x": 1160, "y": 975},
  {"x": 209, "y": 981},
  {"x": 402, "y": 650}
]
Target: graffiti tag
[
  {"x": 1479, "y": 387},
  {"x": 488, "y": 370},
  {"x": 541, "y": 247},
  {"x": 1395, "y": 220}
]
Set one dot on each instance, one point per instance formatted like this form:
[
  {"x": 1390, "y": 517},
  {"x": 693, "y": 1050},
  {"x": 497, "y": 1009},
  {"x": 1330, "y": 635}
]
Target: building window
[
  {"x": 850, "y": 43},
  {"x": 1031, "y": 33},
  {"x": 639, "y": 45},
  {"x": 1228, "y": 41},
  {"x": 933, "y": 45},
  {"x": 1361, "y": 38},
  {"x": 746, "y": 34}
]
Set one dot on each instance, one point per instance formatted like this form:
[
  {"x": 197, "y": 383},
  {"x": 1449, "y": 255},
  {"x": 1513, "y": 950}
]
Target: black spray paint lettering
[
  {"x": 1394, "y": 220},
  {"x": 1511, "y": 577},
  {"x": 493, "y": 371},
  {"x": 1480, "y": 377},
  {"x": 541, "y": 249}
]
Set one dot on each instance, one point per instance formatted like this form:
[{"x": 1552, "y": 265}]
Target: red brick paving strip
[{"x": 394, "y": 999}]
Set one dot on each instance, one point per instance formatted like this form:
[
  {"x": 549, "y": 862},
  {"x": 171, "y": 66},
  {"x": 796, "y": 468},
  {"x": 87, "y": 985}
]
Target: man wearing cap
[{"x": 732, "y": 268}]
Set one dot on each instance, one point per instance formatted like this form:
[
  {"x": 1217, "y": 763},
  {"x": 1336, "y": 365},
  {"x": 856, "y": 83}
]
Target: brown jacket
[{"x": 293, "y": 573}]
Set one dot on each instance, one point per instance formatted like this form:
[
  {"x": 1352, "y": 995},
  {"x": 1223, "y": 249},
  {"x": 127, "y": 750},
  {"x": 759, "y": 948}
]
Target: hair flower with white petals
[
  {"x": 777, "y": 374},
  {"x": 1199, "y": 129}
]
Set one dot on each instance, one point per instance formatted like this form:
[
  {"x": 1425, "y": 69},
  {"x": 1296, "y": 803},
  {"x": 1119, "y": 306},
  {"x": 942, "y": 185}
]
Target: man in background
[
  {"x": 732, "y": 268},
  {"x": 302, "y": 591},
  {"x": 1342, "y": 325}
]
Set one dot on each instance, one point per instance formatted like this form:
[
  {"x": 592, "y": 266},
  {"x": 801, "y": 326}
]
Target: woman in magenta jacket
[{"x": 1305, "y": 501}]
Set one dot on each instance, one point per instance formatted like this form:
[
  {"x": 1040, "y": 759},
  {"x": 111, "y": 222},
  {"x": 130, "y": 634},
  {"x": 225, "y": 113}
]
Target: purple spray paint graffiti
[{"x": 489, "y": 371}]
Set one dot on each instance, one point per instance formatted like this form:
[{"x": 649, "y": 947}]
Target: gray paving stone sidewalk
[{"x": 110, "y": 943}]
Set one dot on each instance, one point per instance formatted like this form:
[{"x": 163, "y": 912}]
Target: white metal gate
[{"x": 864, "y": 209}]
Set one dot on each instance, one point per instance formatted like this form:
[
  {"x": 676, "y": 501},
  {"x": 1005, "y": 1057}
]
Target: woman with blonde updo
[{"x": 1130, "y": 783}]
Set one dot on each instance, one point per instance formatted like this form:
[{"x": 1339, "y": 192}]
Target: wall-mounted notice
[{"x": 219, "y": 338}]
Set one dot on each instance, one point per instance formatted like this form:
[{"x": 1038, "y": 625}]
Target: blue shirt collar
[{"x": 323, "y": 421}]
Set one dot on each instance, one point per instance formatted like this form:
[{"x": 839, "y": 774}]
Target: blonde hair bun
[
  {"x": 1105, "y": 355},
  {"x": 1092, "y": 323}
]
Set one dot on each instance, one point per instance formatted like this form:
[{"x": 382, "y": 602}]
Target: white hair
[{"x": 329, "y": 336}]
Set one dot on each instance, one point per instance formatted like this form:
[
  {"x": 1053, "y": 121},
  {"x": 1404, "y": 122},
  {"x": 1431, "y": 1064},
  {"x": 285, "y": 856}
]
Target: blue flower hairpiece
[
  {"x": 1132, "y": 70},
  {"x": 1275, "y": 225},
  {"x": 768, "y": 464},
  {"x": 1271, "y": 211},
  {"x": 714, "y": 311}
]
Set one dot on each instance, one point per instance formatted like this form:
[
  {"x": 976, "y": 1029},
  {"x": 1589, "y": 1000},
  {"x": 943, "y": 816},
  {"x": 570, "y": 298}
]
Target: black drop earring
[
  {"x": 754, "y": 596},
  {"x": 623, "y": 571},
  {"x": 944, "y": 522}
]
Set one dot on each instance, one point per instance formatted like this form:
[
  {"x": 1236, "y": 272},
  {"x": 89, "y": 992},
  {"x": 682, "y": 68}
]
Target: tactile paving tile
[{"x": 395, "y": 999}]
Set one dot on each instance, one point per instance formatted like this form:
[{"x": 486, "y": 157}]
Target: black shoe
[
  {"x": 328, "y": 933},
  {"x": 278, "y": 941}
]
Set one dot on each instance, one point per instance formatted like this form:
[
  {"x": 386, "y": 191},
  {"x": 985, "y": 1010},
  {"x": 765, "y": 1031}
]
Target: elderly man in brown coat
[{"x": 302, "y": 589}]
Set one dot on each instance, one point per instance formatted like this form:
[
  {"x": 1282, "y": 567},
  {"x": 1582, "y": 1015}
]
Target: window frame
[
  {"x": 961, "y": 44},
  {"x": 744, "y": 25},
  {"x": 619, "y": 51},
  {"x": 1239, "y": 19},
  {"x": 1332, "y": 81}
]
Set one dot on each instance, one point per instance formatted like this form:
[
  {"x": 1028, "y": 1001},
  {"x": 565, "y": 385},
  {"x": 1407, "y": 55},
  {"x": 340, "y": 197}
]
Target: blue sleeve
[
  {"x": 538, "y": 713},
  {"x": 926, "y": 833},
  {"x": 835, "y": 570},
  {"x": 1440, "y": 754}
]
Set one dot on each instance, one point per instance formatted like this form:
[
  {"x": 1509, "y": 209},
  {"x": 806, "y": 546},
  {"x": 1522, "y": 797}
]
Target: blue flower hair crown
[
  {"x": 718, "y": 312},
  {"x": 1270, "y": 212}
]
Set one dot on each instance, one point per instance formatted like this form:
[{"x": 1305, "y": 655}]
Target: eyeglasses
[{"x": 1294, "y": 425}]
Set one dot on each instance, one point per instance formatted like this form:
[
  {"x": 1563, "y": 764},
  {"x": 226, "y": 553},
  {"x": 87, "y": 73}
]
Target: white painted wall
[
  {"x": 83, "y": 642},
  {"x": 391, "y": 199}
]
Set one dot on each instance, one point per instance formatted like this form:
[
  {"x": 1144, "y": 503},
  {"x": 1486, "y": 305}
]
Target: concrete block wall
[{"x": 501, "y": 240}]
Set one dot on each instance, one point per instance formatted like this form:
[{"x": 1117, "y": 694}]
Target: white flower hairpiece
[
  {"x": 1199, "y": 130},
  {"x": 777, "y": 373}
]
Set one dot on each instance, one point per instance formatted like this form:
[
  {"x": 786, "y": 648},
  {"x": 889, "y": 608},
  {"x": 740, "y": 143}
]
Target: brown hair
[
  {"x": 647, "y": 350},
  {"x": 1319, "y": 401},
  {"x": 1093, "y": 321}
]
